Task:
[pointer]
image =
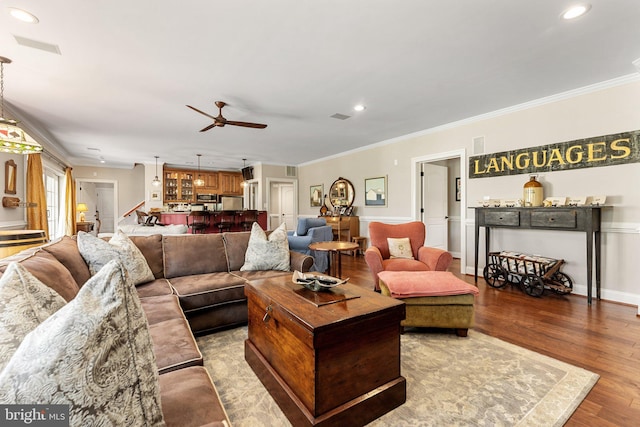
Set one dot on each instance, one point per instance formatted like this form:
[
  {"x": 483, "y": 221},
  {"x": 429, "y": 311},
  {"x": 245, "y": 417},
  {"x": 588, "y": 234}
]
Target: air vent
[
  {"x": 292, "y": 171},
  {"x": 340, "y": 116},
  {"x": 47, "y": 47},
  {"x": 478, "y": 145}
]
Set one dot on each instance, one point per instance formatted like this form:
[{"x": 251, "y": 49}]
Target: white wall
[
  {"x": 610, "y": 109},
  {"x": 13, "y": 218}
]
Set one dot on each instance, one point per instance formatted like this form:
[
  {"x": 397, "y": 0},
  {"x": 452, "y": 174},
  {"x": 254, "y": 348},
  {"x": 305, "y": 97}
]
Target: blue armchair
[{"x": 311, "y": 230}]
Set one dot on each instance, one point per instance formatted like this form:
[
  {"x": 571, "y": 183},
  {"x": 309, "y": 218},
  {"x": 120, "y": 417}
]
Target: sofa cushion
[
  {"x": 189, "y": 398},
  {"x": 236, "y": 246},
  {"x": 46, "y": 268},
  {"x": 161, "y": 308},
  {"x": 304, "y": 224},
  {"x": 154, "y": 288},
  {"x": 97, "y": 253},
  {"x": 94, "y": 354},
  {"x": 185, "y": 255},
  {"x": 25, "y": 302},
  {"x": 174, "y": 345},
  {"x": 151, "y": 248},
  {"x": 66, "y": 251},
  {"x": 267, "y": 253},
  {"x": 204, "y": 290}
]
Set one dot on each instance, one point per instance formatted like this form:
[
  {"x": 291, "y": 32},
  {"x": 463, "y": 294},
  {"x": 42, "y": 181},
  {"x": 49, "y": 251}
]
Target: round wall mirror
[{"x": 341, "y": 193}]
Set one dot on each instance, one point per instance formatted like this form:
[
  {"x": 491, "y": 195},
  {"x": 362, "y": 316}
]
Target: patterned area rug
[{"x": 452, "y": 381}]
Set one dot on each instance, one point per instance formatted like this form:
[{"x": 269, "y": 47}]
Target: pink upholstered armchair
[{"x": 378, "y": 257}]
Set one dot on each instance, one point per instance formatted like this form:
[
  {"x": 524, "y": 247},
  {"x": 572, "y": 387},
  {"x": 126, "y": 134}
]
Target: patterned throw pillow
[
  {"x": 400, "y": 248},
  {"x": 267, "y": 253},
  {"x": 97, "y": 253},
  {"x": 94, "y": 354},
  {"x": 25, "y": 302}
]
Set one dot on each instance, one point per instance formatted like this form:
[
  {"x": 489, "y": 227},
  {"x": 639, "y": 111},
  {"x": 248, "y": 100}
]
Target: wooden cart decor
[{"x": 531, "y": 272}]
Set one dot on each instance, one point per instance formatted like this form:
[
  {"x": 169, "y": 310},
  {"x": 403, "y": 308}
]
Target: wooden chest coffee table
[{"x": 327, "y": 358}]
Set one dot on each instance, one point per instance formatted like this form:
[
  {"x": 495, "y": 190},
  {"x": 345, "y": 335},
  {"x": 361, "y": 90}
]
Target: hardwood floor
[{"x": 603, "y": 338}]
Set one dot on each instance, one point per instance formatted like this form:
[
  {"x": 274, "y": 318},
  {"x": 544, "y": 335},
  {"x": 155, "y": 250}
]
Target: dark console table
[{"x": 579, "y": 218}]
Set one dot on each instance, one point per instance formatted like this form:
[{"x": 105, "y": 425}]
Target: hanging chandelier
[
  {"x": 12, "y": 138},
  {"x": 199, "y": 182},
  {"x": 156, "y": 182}
]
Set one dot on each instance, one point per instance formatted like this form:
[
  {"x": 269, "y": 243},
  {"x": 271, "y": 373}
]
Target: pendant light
[
  {"x": 244, "y": 182},
  {"x": 156, "y": 182},
  {"x": 12, "y": 138},
  {"x": 198, "y": 182}
]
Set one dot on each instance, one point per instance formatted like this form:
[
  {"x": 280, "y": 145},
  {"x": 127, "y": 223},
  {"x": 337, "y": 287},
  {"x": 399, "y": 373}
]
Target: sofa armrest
[
  {"x": 299, "y": 243},
  {"x": 373, "y": 258},
  {"x": 300, "y": 261},
  {"x": 436, "y": 259}
]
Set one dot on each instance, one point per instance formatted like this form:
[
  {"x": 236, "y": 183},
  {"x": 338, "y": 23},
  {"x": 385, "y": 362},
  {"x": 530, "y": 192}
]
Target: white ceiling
[{"x": 128, "y": 68}]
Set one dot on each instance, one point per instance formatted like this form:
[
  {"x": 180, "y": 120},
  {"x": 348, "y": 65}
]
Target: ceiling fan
[{"x": 220, "y": 121}]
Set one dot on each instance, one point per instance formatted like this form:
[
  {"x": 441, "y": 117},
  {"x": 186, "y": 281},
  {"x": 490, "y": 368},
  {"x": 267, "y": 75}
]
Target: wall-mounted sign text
[{"x": 605, "y": 150}]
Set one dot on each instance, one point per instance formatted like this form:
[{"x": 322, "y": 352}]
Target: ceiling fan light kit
[{"x": 221, "y": 121}]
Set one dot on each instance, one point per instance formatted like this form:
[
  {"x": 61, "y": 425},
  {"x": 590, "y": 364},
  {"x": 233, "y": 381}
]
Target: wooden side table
[
  {"x": 87, "y": 227},
  {"x": 334, "y": 247},
  {"x": 362, "y": 245}
]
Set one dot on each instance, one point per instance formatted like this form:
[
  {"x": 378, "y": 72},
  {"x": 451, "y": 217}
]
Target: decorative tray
[{"x": 317, "y": 282}]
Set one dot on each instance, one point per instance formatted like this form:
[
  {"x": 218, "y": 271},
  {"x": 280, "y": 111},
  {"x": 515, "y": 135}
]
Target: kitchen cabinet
[
  {"x": 230, "y": 183},
  {"x": 178, "y": 186}
]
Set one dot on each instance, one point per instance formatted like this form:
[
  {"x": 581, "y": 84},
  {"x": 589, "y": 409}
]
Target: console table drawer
[
  {"x": 502, "y": 218},
  {"x": 560, "y": 219}
]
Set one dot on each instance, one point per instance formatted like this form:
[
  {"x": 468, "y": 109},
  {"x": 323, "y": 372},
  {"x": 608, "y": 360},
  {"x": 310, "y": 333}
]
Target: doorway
[
  {"x": 438, "y": 203},
  {"x": 282, "y": 202},
  {"x": 101, "y": 197}
]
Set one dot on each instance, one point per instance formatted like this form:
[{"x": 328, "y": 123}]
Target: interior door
[
  {"x": 104, "y": 205},
  {"x": 435, "y": 205},
  {"x": 286, "y": 203}
]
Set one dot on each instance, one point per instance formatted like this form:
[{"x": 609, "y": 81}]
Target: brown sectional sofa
[{"x": 198, "y": 288}]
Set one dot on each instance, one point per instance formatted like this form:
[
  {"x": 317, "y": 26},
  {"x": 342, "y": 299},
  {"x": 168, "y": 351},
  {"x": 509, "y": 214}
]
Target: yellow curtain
[
  {"x": 37, "y": 216},
  {"x": 70, "y": 203}
]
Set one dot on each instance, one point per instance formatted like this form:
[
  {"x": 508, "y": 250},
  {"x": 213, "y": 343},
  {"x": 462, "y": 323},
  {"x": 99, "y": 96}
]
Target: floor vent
[{"x": 292, "y": 171}]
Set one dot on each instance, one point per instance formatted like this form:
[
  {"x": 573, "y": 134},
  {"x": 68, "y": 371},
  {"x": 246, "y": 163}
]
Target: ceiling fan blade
[
  {"x": 201, "y": 112},
  {"x": 246, "y": 124},
  {"x": 212, "y": 125}
]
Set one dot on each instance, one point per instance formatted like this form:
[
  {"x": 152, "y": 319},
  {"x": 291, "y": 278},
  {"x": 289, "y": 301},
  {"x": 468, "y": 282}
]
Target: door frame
[
  {"x": 115, "y": 194},
  {"x": 269, "y": 183},
  {"x": 416, "y": 193}
]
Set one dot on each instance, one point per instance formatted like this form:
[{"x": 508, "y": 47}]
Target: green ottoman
[{"x": 435, "y": 299}]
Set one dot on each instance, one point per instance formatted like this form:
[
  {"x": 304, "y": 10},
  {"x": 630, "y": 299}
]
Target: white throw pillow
[
  {"x": 97, "y": 253},
  {"x": 94, "y": 354},
  {"x": 25, "y": 302},
  {"x": 267, "y": 253},
  {"x": 400, "y": 248}
]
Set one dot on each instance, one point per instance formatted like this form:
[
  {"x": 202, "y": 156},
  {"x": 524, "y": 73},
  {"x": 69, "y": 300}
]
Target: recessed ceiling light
[
  {"x": 23, "y": 15},
  {"x": 576, "y": 11},
  {"x": 359, "y": 107}
]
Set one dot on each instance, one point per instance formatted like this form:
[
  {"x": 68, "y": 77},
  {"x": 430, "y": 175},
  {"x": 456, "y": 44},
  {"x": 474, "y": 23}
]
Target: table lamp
[{"x": 82, "y": 208}]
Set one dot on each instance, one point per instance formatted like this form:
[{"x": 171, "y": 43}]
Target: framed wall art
[
  {"x": 458, "y": 190},
  {"x": 375, "y": 191},
  {"x": 315, "y": 195},
  {"x": 10, "y": 174}
]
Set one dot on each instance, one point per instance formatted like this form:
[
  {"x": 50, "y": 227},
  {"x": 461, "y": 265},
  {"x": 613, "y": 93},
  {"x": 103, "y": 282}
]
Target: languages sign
[{"x": 605, "y": 150}]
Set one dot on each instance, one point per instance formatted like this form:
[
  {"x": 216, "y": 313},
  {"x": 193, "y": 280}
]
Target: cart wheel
[
  {"x": 495, "y": 275},
  {"x": 533, "y": 285},
  {"x": 562, "y": 283}
]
